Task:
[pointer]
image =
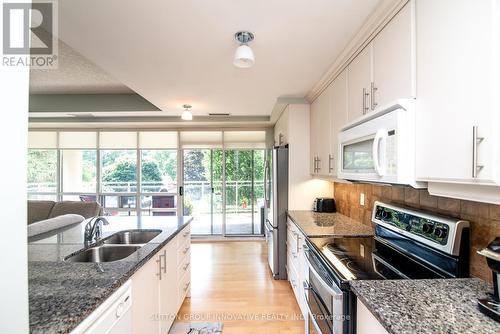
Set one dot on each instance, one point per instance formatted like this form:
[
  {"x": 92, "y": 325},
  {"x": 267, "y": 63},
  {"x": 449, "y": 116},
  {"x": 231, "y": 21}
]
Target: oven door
[{"x": 324, "y": 301}]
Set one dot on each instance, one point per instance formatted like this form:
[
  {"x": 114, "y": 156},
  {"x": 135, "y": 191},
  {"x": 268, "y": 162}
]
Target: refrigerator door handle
[{"x": 266, "y": 168}]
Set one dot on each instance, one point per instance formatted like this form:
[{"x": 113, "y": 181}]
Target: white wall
[
  {"x": 303, "y": 189},
  {"x": 14, "y": 84}
]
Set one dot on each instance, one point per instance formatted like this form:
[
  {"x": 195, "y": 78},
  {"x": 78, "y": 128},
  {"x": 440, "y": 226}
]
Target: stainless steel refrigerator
[{"x": 276, "y": 205}]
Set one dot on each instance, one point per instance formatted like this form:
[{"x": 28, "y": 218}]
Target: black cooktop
[{"x": 349, "y": 258}]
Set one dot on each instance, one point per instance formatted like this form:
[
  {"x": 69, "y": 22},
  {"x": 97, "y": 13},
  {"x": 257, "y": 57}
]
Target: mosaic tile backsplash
[{"x": 484, "y": 218}]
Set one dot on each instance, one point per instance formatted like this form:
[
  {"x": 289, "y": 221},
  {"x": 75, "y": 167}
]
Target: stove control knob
[
  {"x": 427, "y": 228},
  {"x": 440, "y": 232}
]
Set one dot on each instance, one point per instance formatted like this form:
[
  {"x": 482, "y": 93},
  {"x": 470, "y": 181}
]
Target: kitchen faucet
[{"x": 93, "y": 229}]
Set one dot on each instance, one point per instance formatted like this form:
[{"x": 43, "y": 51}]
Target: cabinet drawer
[
  {"x": 183, "y": 235},
  {"x": 183, "y": 251},
  {"x": 184, "y": 285},
  {"x": 183, "y": 266}
]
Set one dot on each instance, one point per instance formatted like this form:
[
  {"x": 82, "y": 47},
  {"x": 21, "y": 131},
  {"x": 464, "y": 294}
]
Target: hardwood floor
[{"x": 231, "y": 283}]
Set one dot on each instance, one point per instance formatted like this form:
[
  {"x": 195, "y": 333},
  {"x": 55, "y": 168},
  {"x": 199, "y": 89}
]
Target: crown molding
[
  {"x": 375, "y": 23},
  {"x": 281, "y": 104}
]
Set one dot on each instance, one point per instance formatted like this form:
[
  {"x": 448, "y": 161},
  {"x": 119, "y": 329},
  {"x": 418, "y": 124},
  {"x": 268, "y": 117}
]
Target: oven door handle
[
  {"x": 332, "y": 290},
  {"x": 385, "y": 263},
  {"x": 311, "y": 316}
]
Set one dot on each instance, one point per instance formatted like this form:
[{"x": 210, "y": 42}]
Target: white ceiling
[
  {"x": 74, "y": 75},
  {"x": 180, "y": 51}
]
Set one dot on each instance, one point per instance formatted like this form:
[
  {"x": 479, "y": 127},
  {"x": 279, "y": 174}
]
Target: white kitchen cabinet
[
  {"x": 366, "y": 323},
  {"x": 458, "y": 71},
  {"x": 328, "y": 116},
  {"x": 393, "y": 60},
  {"x": 297, "y": 269},
  {"x": 359, "y": 73},
  {"x": 384, "y": 70},
  {"x": 338, "y": 118},
  {"x": 281, "y": 129},
  {"x": 168, "y": 288},
  {"x": 158, "y": 292},
  {"x": 302, "y": 190},
  {"x": 145, "y": 293},
  {"x": 321, "y": 133}
]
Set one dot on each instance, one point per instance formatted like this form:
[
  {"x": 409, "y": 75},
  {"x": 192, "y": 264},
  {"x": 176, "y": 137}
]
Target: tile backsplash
[{"x": 484, "y": 218}]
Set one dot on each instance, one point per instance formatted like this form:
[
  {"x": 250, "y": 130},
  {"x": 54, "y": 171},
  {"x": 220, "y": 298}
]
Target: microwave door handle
[{"x": 379, "y": 137}]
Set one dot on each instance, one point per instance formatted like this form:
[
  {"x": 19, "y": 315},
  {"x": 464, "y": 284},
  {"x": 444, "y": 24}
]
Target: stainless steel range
[{"x": 408, "y": 244}]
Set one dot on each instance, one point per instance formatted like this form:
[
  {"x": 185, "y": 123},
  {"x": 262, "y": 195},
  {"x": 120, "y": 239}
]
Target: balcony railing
[{"x": 198, "y": 192}]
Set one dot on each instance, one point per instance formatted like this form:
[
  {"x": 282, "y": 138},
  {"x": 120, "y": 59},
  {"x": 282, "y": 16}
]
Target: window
[
  {"x": 79, "y": 171},
  {"x": 159, "y": 178},
  {"x": 118, "y": 171},
  {"x": 159, "y": 171},
  {"x": 42, "y": 171}
]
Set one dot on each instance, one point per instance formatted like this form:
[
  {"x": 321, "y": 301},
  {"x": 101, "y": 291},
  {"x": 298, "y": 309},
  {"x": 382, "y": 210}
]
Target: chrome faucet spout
[{"x": 93, "y": 229}]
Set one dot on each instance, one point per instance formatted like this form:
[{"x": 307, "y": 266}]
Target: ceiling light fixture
[
  {"x": 243, "y": 57},
  {"x": 186, "y": 114}
]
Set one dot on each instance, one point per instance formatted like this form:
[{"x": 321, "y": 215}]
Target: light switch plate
[{"x": 362, "y": 199}]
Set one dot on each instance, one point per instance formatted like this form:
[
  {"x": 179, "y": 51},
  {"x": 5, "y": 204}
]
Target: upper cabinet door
[
  {"x": 320, "y": 133},
  {"x": 338, "y": 117},
  {"x": 457, "y": 72},
  {"x": 359, "y": 83},
  {"x": 394, "y": 59}
]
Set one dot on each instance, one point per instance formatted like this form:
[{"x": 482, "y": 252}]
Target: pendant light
[
  {"x": 186, "y": 114},
  {"x": 244, "y": 57}
]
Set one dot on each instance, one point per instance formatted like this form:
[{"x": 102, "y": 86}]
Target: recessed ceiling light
[
  {"x": 186, "y": 114},
  {"x": 244, "y": 57}
]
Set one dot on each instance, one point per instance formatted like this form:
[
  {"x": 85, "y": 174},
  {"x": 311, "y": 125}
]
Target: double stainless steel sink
[{"x": 115, "y": 247}]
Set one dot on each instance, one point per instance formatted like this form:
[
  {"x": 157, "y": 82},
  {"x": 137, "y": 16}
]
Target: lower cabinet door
[
  {"x": 168, "y": 291},
  {"x": 145, "y": 303}
]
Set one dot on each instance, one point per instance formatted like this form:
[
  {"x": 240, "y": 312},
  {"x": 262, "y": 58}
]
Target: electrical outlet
[{"x": 362, "y": 199}]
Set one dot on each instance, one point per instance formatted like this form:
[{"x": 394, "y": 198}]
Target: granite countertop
[
  {"x": 62, "y": 294},
  {"x": 427, "y": 306},
  {"x": 314, "y": 224}
]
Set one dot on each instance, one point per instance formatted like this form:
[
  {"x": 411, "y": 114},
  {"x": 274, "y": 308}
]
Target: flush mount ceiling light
[
  {"x": 186, "y": 114},
  {"x": 243, "y": 57}
]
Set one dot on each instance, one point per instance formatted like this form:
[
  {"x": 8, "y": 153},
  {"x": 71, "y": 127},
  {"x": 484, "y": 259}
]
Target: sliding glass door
[
  {"x": 244, "y": 191},
  {"x": 224, "y": 190},
  {"x": 202, "y": 191}
]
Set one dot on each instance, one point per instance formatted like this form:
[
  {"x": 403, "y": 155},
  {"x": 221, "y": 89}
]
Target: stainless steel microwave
[{"x": 380, "y": 146}]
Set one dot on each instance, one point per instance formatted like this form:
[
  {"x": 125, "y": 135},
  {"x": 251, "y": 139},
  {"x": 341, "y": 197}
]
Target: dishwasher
[{"x": 113, "y": 316}]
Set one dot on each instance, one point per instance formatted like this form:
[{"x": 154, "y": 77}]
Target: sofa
[
  {"x": 43, "y": 210},
  {"x": 48, "y": 216}
]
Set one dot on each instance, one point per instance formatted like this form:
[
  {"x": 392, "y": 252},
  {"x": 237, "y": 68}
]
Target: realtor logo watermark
[{"x": 29, "y": 34}]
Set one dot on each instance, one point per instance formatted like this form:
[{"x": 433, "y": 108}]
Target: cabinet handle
[
  {"x": 330, "y": 160},
  {"x": 365, "y": 108},
  {"x": 297, "y": 246},
  {"x": 315, "y": 169},
  {"x": 185, "y": 250},
  {"x": 373, "y": 89},
  {"x": 280, "y": 139},
  {"x": 159, "y": 267},
  {"x": 319, "y": 164},
  {"x": 186, "y": 266},
  {"x": 186, "y": 287},
  {"x": 476, "y": 140},
  {"x": 293, "y": 283},
  {"x": 164, "y": 261}
]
